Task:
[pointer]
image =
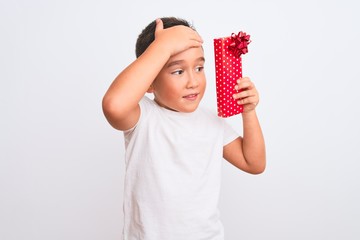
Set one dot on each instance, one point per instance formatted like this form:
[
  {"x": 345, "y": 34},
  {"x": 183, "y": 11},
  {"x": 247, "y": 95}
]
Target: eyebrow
[{"x": 178, "y": 62}]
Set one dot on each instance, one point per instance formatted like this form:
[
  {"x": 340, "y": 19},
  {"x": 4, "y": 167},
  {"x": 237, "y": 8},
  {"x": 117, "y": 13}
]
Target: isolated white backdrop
[{"x": 62, "y": 165}]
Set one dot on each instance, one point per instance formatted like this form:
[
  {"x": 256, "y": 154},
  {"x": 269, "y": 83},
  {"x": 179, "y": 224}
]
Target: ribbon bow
[{"x": 239, "y": 43}]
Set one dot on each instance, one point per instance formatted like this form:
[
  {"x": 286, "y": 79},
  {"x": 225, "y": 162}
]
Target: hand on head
[{"x": 178, "y": 38}]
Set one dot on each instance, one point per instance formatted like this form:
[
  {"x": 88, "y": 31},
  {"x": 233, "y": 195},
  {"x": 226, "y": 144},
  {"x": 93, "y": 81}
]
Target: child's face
[{"x": 181, "y": 83}]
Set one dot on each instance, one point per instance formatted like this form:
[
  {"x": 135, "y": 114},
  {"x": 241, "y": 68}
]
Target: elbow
[
  {"x": 112, "y": 109},
  {"x": 114, "y": 106},
  {"x": 119, "y": 115},
  {"x": 258, "y": 168},
  {"x": 108, "y": 106}
]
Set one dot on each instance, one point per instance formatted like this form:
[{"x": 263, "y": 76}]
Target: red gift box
[{"x": 228, "y": 66}]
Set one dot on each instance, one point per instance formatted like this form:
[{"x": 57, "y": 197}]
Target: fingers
[
  {"x": 248, "y": 94},
  {"x": 195, "y": 43},
  {"x": 244, "y": 83},
  {"x": 246, "y": 88},
  {"x": 177, "y": 38},
  {"x": 248, "y": 100},
  {"x": 245, "y": 94},
  {"x": 197, "y": 37},
  {"x": 193, "y": 37},
  {"x": 159, "y": 25}
]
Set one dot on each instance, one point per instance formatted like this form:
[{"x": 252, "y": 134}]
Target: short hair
[{"x": 147, "y": 36}]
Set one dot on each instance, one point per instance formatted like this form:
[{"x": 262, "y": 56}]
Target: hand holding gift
[
  {"x": 248, "y": 96},
  {"x": 228, "y": 66}
]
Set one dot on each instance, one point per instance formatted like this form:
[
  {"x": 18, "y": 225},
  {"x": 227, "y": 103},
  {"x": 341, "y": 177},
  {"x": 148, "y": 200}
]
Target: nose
[{"x": 192, "y": 81}]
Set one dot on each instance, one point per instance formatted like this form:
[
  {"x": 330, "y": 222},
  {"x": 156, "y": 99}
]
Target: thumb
[{"x": 159, "y": 25}]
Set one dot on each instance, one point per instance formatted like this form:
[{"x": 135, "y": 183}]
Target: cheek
[
  {"x": 204, "y": 84},
  {"x": 203, "y": 80},
  {"x": 159, "y": 84},
  {"x": 164, "y": 89}
]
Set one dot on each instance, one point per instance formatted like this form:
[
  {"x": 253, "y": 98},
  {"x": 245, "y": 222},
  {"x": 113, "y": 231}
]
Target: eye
[
  {"x": 178, "y": 72},
  {"x": 199, "y": 68}
]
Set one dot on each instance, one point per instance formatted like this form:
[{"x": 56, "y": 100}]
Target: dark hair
[{"x": 147, "y": 36}]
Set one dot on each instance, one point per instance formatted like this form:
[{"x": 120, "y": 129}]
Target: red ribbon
[{"x": 239, "y": 43}]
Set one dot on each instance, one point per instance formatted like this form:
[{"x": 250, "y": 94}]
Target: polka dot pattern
[{"x": 228, "y": 71}]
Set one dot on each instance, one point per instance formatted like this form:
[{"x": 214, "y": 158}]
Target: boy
[{"x": 173, "y": 148}]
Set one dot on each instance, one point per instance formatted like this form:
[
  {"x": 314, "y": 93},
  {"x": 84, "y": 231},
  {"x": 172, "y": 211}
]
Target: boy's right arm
[{"x": 121, "y": 101}]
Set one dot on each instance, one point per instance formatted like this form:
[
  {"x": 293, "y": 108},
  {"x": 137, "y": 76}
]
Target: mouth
[{"x": 191, "y": 97}]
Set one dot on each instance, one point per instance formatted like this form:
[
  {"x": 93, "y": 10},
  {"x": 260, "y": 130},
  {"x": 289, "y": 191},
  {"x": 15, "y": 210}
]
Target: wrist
[
  {"x": 155, "y": 56},
  {"x": 249, "y": 114}
]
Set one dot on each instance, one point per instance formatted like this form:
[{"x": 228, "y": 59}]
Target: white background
[{"x": 62, "y": 165}]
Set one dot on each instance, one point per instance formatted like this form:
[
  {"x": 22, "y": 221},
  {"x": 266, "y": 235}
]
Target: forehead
[{"x": 190, "y": 55}]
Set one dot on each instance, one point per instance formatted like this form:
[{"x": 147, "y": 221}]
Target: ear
[{"x": 150, "y": 89}]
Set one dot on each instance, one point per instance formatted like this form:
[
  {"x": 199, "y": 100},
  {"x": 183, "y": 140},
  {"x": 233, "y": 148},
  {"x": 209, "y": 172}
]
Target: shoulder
[
  {"x": 146, "y": 102},
  {"x": 147, "y": 106},
  {"x": 210, "y": 115},
  {"x": 220, "y": 124}
]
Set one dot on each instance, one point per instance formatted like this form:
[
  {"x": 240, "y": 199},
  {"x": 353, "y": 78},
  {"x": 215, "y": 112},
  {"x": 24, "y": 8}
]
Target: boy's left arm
[{"x": 248, "y": 152}]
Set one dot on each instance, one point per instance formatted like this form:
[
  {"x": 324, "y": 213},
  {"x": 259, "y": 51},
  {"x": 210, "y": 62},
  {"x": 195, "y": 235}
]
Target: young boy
[{"x": 173, "y": 148}]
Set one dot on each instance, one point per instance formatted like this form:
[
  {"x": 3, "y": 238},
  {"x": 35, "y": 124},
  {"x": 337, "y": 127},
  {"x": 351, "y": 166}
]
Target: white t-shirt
[{"x": 173, "y": 174}]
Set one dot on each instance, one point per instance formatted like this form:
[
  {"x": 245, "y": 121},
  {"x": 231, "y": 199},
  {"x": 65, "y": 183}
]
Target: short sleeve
[
  {"x": 146, "y": 105},
  {"x": 229, "y": 133}
]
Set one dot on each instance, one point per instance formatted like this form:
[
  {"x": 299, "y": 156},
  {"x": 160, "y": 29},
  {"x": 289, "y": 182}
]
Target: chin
[{"x": 190, "y": 109}]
